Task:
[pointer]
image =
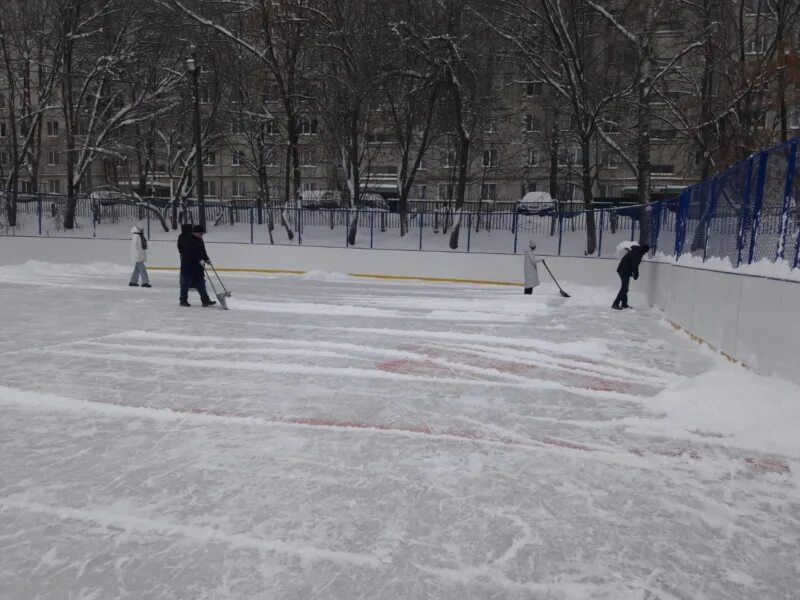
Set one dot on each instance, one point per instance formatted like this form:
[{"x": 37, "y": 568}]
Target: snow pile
[
  {"x": 733, "y": 404},
  {"x": 315, "y": 275},
  {"x": 624, "y": 246},
  {"x": 762, "y": 268}
]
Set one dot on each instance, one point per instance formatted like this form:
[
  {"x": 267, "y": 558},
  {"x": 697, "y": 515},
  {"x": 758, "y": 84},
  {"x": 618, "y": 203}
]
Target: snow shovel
[
  {"x": 221, "y": 296},
  {"x": 563, "y": 293}
]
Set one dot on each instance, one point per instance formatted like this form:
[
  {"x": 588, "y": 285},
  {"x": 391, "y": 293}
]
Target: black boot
[
  {"x": 616, "y": 306},
  {"x": 131, "y": 284},
  {"x": 146, "y": 285},
  {"x": 209, "y": 302},
  {"x": 184, "y": 303}
]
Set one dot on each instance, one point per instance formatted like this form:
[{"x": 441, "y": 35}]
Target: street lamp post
[{"x": 191, "y": 66}]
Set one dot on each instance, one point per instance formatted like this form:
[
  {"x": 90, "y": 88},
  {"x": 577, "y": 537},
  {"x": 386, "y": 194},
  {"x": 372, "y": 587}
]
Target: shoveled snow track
[{"x": 340, "y": 439}]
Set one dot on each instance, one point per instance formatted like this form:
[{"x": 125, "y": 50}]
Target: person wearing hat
[
  {"x": 628, "y": 267},
  {"x": 139, "y": 257},
  {"x": 193, "y": 260},
  {"x": 531, "y": 270}
]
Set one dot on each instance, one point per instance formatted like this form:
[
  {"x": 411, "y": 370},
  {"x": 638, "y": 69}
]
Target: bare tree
[{"x": 28, "y": 47}]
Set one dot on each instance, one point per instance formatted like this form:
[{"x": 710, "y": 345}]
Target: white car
[
  {"x": 315, "y": 199},
  {"x": 536, "y": 203}
]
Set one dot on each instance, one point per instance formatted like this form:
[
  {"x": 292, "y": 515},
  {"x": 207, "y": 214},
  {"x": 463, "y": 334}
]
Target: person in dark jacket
[
  {"x": 193, "y": 258},
  {"x": 628, "y": 267}
]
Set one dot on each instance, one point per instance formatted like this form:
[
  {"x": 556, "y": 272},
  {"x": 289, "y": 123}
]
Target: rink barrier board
[{"x": 359, "y": 275}]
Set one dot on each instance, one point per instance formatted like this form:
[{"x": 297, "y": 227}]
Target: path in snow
[{"x": 338, "y": 438}]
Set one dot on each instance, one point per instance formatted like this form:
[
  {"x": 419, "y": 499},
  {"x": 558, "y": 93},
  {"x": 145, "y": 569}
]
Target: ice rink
[{"x": 341, "y": 439}]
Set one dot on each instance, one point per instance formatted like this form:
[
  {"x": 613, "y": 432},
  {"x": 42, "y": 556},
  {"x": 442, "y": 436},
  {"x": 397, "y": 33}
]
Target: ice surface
[{"x": 338, "y": 438}]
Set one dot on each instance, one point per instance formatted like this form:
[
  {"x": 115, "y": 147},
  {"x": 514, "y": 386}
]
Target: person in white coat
[
  {"x": 531, "y": 270},
  {"x": 139, "y": 257}
]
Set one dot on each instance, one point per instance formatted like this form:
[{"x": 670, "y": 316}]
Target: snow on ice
[{"x": 340, "y": 438}]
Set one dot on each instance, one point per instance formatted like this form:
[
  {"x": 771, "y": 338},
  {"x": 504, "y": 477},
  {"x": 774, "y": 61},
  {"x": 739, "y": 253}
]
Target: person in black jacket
[
  {"x": 193, "y": 258},
  {"x": 628, "y": 267}
]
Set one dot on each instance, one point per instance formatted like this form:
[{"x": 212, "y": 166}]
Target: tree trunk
[{"x": 588, "y": 203}]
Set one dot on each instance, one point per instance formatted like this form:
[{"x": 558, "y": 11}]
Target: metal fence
[{"x": 746, "y": 213}]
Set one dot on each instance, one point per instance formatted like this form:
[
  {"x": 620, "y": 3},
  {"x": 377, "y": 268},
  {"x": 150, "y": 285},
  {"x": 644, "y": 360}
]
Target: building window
[
  {"x": 205, "y": 96},
  {"x": 490, "y": 158},
  {"x": 237, "y": 127},
  {"x": 237, "y": 157},
  {"x": 307, "y": 157},
  {"x": 534, "y": 88},
  {"x": 3, "y": 158},
  {"x": 270, "y": 127},
  {"x": 308, "y": 186},
  {"x": 308, "y": 126},
  {"x": 118, "y": 103},
  {"x": 210, "y": 159},
  {"x": 55, "y": 186},
  {"x": 531, "y": 123},
  {"x": 532, "y": 159},
  {"x": 662, "y": 169},
  {"x": 52, "y": 129},
  {"x": 569, "y": 157},
  {"x": 489, "y": 191},
  {"x": 445, "y": 191},
  {"x": 2, "y": 101},
  {"x": 271, "y": 156},
  {"x": 759, "y": 44},
  {"x": 611, "y": 160},
  {"x": 794, "y": 119},
  {"x": 26, "y": 188},
  {"x": 52, "y": 158},
  {"x": 3, "y": 130},
  {"x": 210, "y": 188},
  {"x": 421, "y": 191},
  {"x": 238, "y": 189},
  {"x": 450, "y": 159},
  {"x": 490, "y": 126}
]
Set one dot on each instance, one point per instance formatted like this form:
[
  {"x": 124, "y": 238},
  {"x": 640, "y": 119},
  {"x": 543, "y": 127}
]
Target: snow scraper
[
  {"x": 563, "y": 293},
  {"x": 221, "y": 296}
]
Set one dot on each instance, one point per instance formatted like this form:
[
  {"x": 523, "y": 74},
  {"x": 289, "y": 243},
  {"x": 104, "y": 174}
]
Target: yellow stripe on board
[
  {"x": 701, "y": 341},
  {"x": 360, "y": 275}
]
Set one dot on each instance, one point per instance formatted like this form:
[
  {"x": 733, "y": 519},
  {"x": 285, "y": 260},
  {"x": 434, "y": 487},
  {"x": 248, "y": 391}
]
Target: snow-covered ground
[{"x": 338, "y": 438}]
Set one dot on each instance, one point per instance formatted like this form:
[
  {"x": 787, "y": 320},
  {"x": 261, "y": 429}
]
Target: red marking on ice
[
  {"x": 768, "y": 465},
  {"x": 605, "y": 385},
  {"x": 567, "y": 444},
  {"x": 407, "y": 366},
  {"x": 670, "y": 452}
]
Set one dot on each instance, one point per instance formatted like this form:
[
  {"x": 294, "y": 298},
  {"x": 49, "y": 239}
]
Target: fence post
[
  {"x": 560, "y": 227},
  {"x": 371, "y": 226},
  {"x": 94, "y": 221},
  {"x": 39, "y": 213},
  {"x": 251, "y": 224},
  {"x": 469, "y": 229},
  {"x": 600, "y": 233},
  {"x": 421, "y": 216},
  {"x": 744, "y": 211},
  {"x": 633, "y": 224},
  {"x": 347, "y": 227},
  {"x": 788, "y": 194},
  {"x": 680, "y": 220},
  {"x": 516, "y": 230},
  {"x": 796, "y": 262},
  {"x": 712, "y": 209},
  {"x": 759, "y": 202}
]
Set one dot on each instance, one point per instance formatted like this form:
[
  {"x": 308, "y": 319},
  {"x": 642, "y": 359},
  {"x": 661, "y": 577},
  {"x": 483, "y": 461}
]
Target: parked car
[
  {"x": 536, "y": 203},
  {"x": 316, "y": 199},
  {"x": 373, "y": 202}
]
